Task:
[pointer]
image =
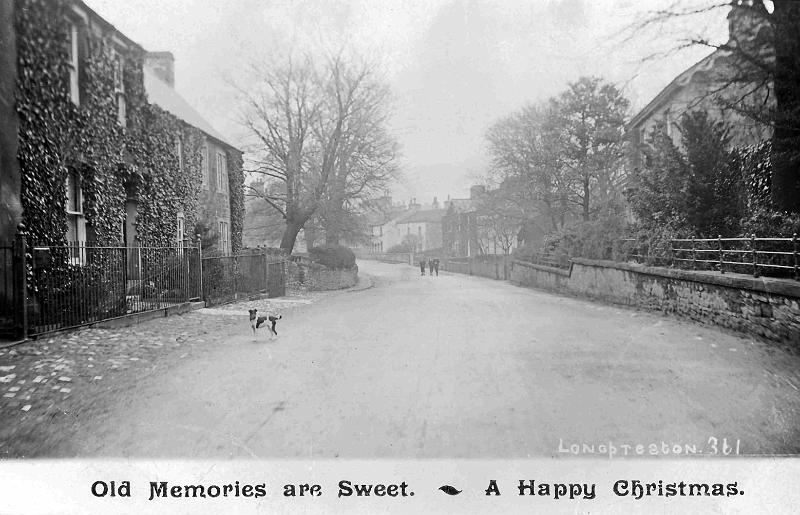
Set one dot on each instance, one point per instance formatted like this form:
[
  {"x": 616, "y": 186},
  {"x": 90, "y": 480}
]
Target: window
[
  {"x": 119, "y": 89},
  {"x": 668, "y": 122},
  {"x": 222, "y": 173},
  {"x": 204, "y": 159},
  {"x": 181, "y": 230},
  {"x": 76, "y": 222},
  {"x": 179, "y": 151},
  {"x": 224, "y": 237},
  {"x": 73, "y": 64}
]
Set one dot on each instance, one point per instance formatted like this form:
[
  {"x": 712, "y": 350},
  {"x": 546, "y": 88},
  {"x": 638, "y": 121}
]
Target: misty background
[{"x": 454, "y": 66}]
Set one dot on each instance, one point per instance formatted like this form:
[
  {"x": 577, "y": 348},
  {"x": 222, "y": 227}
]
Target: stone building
[
  {"x": 218, "y": 154},
  {"x": 97, "y": 149},
  {"x": 460, "y": 224},
  {"x": 708, "y": 85},
  {"x": 89, "y": 120},
  {"x": 424, "y": 227}
]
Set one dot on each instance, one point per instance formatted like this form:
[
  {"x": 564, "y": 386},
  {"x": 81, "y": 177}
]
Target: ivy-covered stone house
[{"x": 97, "y": 147}]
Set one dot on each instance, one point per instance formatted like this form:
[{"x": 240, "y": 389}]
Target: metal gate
[
  {"x": 276, "y": 279},
  {"x": 12, "y": 284},
  {"x": 228, "y": 278}
]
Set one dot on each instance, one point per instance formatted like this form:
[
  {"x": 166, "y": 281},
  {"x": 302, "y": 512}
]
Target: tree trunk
[
  {"x": 586, "y": 199},
  {"x": 786, "y": 139},
  {"x": 290, "y": 235}
]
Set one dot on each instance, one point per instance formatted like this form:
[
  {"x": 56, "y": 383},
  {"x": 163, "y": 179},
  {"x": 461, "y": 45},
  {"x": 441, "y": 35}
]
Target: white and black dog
[{"x": 256, "y": 321}]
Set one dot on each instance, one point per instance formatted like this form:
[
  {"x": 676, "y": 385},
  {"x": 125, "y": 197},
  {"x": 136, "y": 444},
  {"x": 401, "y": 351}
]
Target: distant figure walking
[
  {"x": 430, "y": 266},
  {"x": 436, "y": 266},
  {"x": 422, "y": 267}
]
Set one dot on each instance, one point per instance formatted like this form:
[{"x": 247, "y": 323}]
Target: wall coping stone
[
  {"x": 786, "y": 287},
  {"x": 544, "y": 268}
]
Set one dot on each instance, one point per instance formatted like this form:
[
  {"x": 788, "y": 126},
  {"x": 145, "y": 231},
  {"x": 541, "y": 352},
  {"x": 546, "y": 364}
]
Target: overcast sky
[{"x": 455, "y": 66}]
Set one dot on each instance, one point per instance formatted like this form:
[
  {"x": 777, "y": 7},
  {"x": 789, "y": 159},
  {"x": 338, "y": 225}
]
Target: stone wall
[
  {"x": 319, "y": 278},
  {"x": 764, "y": 307},
  {"x": 489, "y": 266},
  {"x": 305, "y": 275}
]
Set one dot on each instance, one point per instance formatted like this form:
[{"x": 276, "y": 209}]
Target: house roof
[
  {"x": 678, "y": 82},
  {"x": 163, "y": 95},
  {"x": 461, "y": 205},
  {"x": 423, "y": 216}
]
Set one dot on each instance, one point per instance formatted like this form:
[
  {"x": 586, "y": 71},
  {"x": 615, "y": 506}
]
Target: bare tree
[
  {"x": 312, "y": 124},
  {"x": 366, "y": 158},
  {"x": 282, "y": 107},
  {"x": 526, "y": 158}
]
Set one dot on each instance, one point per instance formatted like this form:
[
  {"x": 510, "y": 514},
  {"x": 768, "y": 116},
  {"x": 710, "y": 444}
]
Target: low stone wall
[
  {"x": 490, "y": 266},
  {"x": 765, "y": 307},
  {"x": 319, "y": 278}
]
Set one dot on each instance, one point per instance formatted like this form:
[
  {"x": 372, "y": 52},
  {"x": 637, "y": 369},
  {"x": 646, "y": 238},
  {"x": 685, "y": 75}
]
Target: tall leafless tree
[{"x": 307, "y": 119}]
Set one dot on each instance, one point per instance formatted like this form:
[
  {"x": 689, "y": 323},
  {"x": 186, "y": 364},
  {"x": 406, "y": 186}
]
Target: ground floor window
[
  {"x": 180, "y": 233},
  {"x": 76, "y": 221}
]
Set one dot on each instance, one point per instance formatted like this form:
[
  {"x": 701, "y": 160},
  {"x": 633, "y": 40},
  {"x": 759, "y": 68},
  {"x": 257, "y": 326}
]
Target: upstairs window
[
  {"x": 119, "y": 89},
  {"x": 179, "y": 151},
  {"x": 180, "y": 233},
  {"x": 204, "y": 159},
  {"x": 222, "y": 173},
  {"x": 73, "y": 63}
]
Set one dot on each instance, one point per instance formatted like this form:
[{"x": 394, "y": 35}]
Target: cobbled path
[{"x": 50, "y": 386}]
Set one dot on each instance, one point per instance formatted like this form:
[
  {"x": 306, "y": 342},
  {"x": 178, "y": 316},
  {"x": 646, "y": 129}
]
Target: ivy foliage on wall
[
  {"x": 139, "y": 161},
  {"x": 236, "y": 193}
]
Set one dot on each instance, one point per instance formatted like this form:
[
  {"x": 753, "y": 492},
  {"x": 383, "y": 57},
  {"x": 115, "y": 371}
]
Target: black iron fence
[
  {"x": 775, "y": 257},
  {"x": 12, "y": 284},
  {"x": 226, "y": 278},
  {"x": 78, "y": 284},
  {"x": 47, "y": 288}
]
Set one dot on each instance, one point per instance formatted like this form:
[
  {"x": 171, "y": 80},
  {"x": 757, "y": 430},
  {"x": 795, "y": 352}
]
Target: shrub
[
  {"x": 593, "y": 239},
  {"x": 768, "y": 223},
  {"x": 336, "y": 257}
]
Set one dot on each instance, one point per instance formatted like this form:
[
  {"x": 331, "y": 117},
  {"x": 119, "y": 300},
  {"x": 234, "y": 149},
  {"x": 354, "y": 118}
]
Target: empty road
[{"x": 457, "y": 367}]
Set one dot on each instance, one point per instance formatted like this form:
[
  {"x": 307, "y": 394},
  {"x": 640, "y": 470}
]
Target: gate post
[
  {"x": 200, "y": 264},
  {"x": 19, "y": 255}
]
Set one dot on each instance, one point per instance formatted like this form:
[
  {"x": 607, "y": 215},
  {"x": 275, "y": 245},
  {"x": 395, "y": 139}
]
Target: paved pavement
[{"x": 429, "y": 367}]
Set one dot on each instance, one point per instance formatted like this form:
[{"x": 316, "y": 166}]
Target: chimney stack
[{"x": 163, "y": 64}]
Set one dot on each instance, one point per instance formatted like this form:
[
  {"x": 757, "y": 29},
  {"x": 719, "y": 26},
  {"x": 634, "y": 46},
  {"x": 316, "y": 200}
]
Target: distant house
[
  {"x": 424, "y": 227},
  {"x": 700, "y": 87},
  {"x": 392, "y": 224},
  {"x": 460, "y": 234},
  {"x": 470, "y": 227}
]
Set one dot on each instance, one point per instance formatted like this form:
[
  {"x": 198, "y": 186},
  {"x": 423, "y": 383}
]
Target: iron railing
[
  {"x": 776, "y": 257},
  {"x": 78, "y": 284}
]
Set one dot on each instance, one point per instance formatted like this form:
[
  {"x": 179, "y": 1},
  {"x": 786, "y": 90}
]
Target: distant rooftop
[
  {"x": 423, "y": 216},
  {"x": 161, "y": 94}
]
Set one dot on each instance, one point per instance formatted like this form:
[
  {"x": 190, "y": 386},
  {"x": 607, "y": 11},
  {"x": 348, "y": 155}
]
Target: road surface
[{"x": 459, "y": 367}]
